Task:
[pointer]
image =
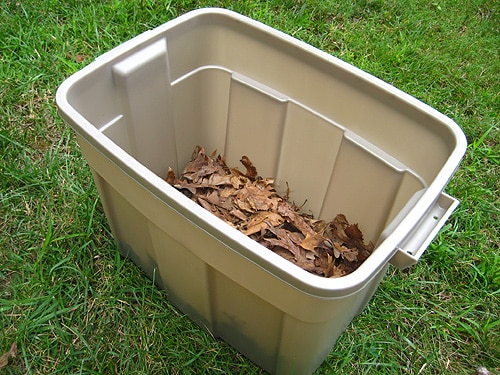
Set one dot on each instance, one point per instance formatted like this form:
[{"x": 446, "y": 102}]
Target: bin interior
[{"x": 342, "y": 143}]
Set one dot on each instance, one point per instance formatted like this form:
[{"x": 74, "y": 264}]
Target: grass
[{"x": 73, "y": 305}]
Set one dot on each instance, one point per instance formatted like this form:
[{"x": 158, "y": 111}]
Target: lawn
[{"x": 72, "y": 304}]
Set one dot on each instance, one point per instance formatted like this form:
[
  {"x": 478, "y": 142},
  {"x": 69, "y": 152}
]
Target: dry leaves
[
  {"x": 78, "y": 57},
  {"x": 4, "y": 359},
  {"x": 250, "y": 204}
]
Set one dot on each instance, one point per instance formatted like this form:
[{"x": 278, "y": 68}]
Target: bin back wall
[{"x": 349, "y": 100}]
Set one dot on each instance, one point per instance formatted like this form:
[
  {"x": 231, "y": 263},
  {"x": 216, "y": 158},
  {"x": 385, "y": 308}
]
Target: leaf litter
[
  {"x": 4, "y": 358},
  {"x": 250, "y": 203}
]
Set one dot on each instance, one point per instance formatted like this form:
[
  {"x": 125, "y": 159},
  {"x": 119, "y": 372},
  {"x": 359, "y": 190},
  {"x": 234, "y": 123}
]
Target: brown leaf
[
  {"x": 288, "y": 240},
  {"x": 325, "y": 265},
  {"x": 286, "y": 210},
  {"x": 238, "y": 182},
  {"x": 170, "y": 176},
  {"x": 79, "y": 58},
  {"x": 238, "y": 214},
  {"x": 349, "y": 234},
  {"x": 227, "y": 192},
  {"x": 213, "y": 198},
  {"x": 352, "y": 255},
  {"x": 183, "y": 184},
  {"x": 4, "y": 359},
  {"x": 312, "y": 241},
  {"x": 256, "y": 228},
  {"x": 263, "y": 220},
  {"x": 251, "y": 170},
  {"x": 196, "y": 164},
  {"x": 337, "y": 225},
  {"x": 353, "y": 232},
  {"x": 252, "y": 198},
  {"x": 216, "y": 179},
  {"x": 202, "y": 201}
]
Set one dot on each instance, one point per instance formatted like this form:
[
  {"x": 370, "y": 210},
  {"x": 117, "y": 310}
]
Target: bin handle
[{"x": 414, "y": 245}]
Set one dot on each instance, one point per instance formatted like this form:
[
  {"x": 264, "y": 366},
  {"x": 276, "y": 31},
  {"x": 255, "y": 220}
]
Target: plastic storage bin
[{"x": 342, "y": 139}]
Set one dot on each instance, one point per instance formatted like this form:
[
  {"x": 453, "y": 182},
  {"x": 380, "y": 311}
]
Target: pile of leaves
[{"x": 251, "y": 204}]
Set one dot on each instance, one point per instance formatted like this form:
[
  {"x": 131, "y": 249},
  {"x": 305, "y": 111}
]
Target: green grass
[{"x": 73, "y": 305}]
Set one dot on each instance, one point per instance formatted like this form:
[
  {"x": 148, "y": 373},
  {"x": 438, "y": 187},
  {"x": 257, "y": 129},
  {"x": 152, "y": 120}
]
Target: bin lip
[{"x": 243, "y": 245}]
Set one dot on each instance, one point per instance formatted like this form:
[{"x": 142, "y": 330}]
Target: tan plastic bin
[{"x": 342, "y": 139}]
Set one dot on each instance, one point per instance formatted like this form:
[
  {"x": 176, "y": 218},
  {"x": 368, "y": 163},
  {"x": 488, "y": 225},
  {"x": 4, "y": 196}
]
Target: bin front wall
[{"x": 279, "y": 327}]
